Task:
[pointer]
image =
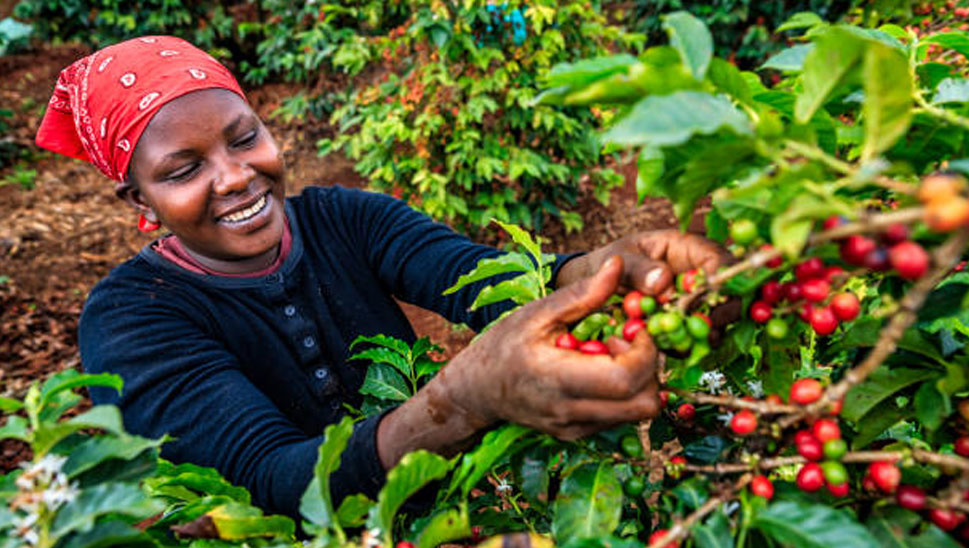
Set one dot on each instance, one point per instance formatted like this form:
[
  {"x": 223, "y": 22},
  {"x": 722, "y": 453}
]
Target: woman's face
[{"x": 208, "y": 170}]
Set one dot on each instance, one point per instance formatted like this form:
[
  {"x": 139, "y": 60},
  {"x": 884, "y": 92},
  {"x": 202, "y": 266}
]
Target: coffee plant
[{"x": 451, "y": 124}]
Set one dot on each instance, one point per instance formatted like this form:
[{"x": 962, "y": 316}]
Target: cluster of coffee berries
[
  {"x": 671, "y": 329},
  {"x": 946, "y": 207},
  {"x": 823, "y": 447},
  {"x": 894, "y": 250},
  {"x": 811, "y": 290}
]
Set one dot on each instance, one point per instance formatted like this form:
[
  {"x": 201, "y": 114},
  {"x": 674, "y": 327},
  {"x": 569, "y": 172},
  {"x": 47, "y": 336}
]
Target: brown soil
[{"x": 61, "y": 237}]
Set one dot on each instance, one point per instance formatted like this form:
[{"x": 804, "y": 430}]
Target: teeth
[{"x": 246, "y": 213}]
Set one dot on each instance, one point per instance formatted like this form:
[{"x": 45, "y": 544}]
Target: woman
[{"x": 231, "y": 332}]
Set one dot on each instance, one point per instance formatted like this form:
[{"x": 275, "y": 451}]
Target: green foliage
[
  {"x": 395, "y": 372},
  {"x": 452, "y": 126},
  {"x": 14, "y": 36}
]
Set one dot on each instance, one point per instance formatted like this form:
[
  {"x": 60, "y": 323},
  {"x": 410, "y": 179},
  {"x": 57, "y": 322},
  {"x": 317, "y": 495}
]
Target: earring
[{"x": 145, "y": 225}]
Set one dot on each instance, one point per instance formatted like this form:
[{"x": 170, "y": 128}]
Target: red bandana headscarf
[{"x": 103, "y": 102}]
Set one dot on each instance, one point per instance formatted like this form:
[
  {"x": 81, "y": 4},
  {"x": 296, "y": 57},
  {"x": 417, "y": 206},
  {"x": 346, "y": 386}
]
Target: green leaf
[
  {"x": 486, "y": 268},
  {"x": 235, "y": 521},
  {"x": 95, "y": 450},
  {"x": 706, "y": 450},
  {"x": 887, "y": 108},
  {"x": 801, "y": 20},
  {"x": 836, "y": 53},
  {"x": 692, "y": 40},
  {"x": 893, "y": 527},
  {"x": 881, "y": 384},
  {"x": 710, "y": 168},
  {"x": 520, "y": 290},
  {"x": 495, "y": 445},
  {"x": 413, "y": 472},
  {"x": 728, "y": 79},
  {"x": 105, "y": 417},
  {"x": 71, "y": 378},
  {"x": 715, "y": 533},
  {"x": 316, "y": 504},
  {"x": 10, "y": 405},
  {"x": 353, "y": 510},
  {"x": 804, "y": 525},
  {"x": 107, "y": 498},
  {"x": 584, "y": 72},
  {"x": 588, "y": 505},
  {"x": 874, "y": 424},
  {"x": 650, "y": 166},
  {"x": 790, "y": 59},
  {"x": 194, "y": 480},
  {"x": 392, "y": 343},
  {"x": 16, "y": 428},
  {"x": 108, "y": 534},
  {"x": 673, "y": 119},
  {"x": 384, "y": 382},
  {"x": 444, "y": 527},
  {"x": 958, "y": 41},
  {"x": 931, "y": 406},
  {"x": 691, "y": 492},
  {"x": 952, "y": 90},
  {"x": 385, "y": 356},
  {"x": 524, "y": 239}
]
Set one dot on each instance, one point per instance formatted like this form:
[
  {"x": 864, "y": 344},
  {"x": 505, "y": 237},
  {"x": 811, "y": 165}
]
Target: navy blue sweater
[{"x": 245, "y": 373}]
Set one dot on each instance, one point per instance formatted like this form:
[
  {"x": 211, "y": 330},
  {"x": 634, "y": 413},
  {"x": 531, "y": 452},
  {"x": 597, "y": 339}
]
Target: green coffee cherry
[
  {"x": 776, "y": 328},
  {"x": 698, "y": 328},
  {"x": 631, "y": 446},
  {"x": 647, "y": 305},
  {"x": 835, "y": 449},
  {"x": 670, "y": 322}
]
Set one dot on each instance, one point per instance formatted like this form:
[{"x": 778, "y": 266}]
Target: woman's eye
[
  {"x": 247, "y": 139},
  {"x": 183, "y": 172}
]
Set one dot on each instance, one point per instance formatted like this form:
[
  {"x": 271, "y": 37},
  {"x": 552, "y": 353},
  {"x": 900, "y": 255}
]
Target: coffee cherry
[
  {"x": 405, "y": 544},
  {"x": 809, "y": 269},
  {"x": 687, "y": 281},
  {"x": 660, "y": 533},
  {"x": 804, "y": 312},
  {"x": 832, "y": 272},
  {"x": 855, "y": 248},
  {"x": 826, "y": 430},
  {"x": 670, "y": 322},
  {"x": 631, "y": 305},
  {"x": 963, "y": 408},
  {"x": 806, "y": 391},
  {"x": 845, "y": 306},
  {"x": 810, "y": 478},
  {"x": 776, "y": 261},
  {"x": 771, "y": 292},
  {"x": 743, "y": 231},
  {"x": 823, "y": 320},
  {"x": 743, "y": 422},
  {"x": 895, "y": 234},
  {"x": 840, "y": 490},
  {"x": 776, "y": 328},
  {"x": 631, "y": 446},
  {"x": 961, "y": 446},
  {"x": 835, "y": 408},
  {"x": 567, "y": 341},
  {"x": 698, "y": 327},
  {"x": 885, "y": 475},
  {"x": 811, "y": 449},
  {"x": 774, "y": 399},
  {"x": 909, "y": 259},
  {"x": 760, "y": 311},
  {"x": 634, "y": 486},
  {"x": 877, "y": 260},
  {"x": 678, "y": 460},
  {"x": 648, "y": 305},
  {"x": 815, "y": 290},
  {"x": 834, "y": 221},
  {"x": 940, "y": 187},
  {"x": 686, "y": 412},
  {"x": 593, "y": 347},
  {"x": 664, "y": 398},
  {"x": 792, "y": 291},
  {"x": 762, "y": 487},
  {"x": 947, "y": 215},
  {"x": 834, "y": 472},
  {"x": 947, "y": 520},
  {"x": 835, "y": 449},
  {"x": 802, "y": 436},
  {"x": 910, "y": 497},
  {"x": 631, "y": 328}
]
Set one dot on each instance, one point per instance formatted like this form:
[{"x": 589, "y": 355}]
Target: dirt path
[{"x": 61, "y": 237}]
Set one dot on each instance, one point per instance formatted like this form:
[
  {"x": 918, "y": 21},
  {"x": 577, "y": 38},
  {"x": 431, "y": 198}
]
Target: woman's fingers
[
  {"x": 648, "y": 276},
  {"x": 611, "y": 377},
  {"x": 579, "y": 299},
  {"x": 641, "y": 406}
]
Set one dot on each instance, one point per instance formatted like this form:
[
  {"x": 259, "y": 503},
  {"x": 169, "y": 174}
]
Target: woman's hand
[
  {"x": 651, "y": 260},
  {"x": 514, "y": 372}
]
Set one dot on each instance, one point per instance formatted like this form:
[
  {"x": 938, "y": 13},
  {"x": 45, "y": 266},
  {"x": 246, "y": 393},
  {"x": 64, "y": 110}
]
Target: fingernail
[{"x": 652, "y": 278}]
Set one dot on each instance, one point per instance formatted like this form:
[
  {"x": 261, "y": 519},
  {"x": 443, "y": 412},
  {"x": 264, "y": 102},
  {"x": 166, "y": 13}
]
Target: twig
[
  {"x": 945, "y": 257},
  {"x": 680, "y": 530},
  {"x": 761, "y": 407},
  {"x": 919, "y": 455}
]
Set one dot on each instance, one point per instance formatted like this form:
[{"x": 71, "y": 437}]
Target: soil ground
[{"x": 59, "y": 238}]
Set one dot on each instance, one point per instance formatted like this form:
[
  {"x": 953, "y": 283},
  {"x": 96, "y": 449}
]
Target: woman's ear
[{"x": 133, "y": 197}]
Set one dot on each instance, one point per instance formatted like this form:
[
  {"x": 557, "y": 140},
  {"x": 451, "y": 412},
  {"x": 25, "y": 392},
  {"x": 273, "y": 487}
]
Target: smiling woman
[{"x": 232, "y": 331}]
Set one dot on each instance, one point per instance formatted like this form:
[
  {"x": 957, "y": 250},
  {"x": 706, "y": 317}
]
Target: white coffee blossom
[
  {"x": 756, "y": 388},
  {"x": 24, "y": 527},
  {"x": 713, "y": 381},
  {"x": 725, "y": 418},
  {"x": 503, "y": 486}
]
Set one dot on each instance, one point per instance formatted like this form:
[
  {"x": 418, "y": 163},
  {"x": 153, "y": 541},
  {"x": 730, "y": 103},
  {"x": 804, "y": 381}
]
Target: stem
[
  {"x": 941, "y": 113},
  {"x": 919, "y": 455},
  {"x": 761, "y": 407},
  {"x": 944, "y": 258},
  {"x": 681, "y": 529},
  {"x": 815, "y": 153}
]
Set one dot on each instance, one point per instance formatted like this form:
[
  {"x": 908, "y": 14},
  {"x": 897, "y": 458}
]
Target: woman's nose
[{"x": 233, "y": 176}]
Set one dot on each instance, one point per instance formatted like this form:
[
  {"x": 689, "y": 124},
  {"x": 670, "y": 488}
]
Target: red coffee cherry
[
  {"x": 774, "y": 399},
  {"x": 760, "y": 312},
  {"x": 877, "y": 260},
  {"x": 885, "y": 475},
  {"x": 771, "y": 292},
  {"x": 810, "y": 478},
  {"x": 835, "y": 408},
  {"x": 686, "y": 412},
  {"x": 855, "y": 248},
  {"x": 762, "y": 487},
  {"x": 895, "y": 234},
  {"x": 631, "y": 328},
  {"x": 743, "y": 422},
  {"x": 826, "y": 430},
  {"x": 405, "y": 544},
  {"x": 961, "y": 446},
  {"x": 815, "y": 290},
  {"x": 660, "y": 533},
  {"x": 823, "y": 320},
  {"x": 792, "y": 291},
  {"x": 631, "y": 306},
  {"x": 947, "y": 520},
  {"x": 910, "y": 497},
  {"x": 678, "y": 460},
  {"x": 806, "y": 391},
  {"x": 687, "y": 281},
  {"x": 811, "y": 449},
  {"x": 840, "y": 490},
  {"x": 567, "y": 341},
  {"x": 909, "y": 259},
  {"x": 845, "y": 306},
  {"x": 802, "y": 436},
  {"x": 831, "y": 272},
  {"x": 947, "y": 215},
  {"x": 664, "y": 398},
  {"x": 809, "y": 269},
  {"x": 776, "y": 261},
  {"x": 593, "y": 347},
  {"x": 834, "y": 221}
]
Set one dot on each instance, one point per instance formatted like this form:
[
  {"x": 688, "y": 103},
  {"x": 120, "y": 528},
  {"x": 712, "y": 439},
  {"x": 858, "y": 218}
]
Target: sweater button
[
  {"x": 290, "y": 310},
  {"x": 308, "y": 342},
  {"x": 321, "y": 373}
]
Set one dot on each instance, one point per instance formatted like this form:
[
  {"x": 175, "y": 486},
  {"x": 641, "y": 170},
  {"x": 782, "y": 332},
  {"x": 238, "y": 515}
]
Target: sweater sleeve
[
  {"x": 417, "y": 259},
  {"x": 180, "y": 381}
]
